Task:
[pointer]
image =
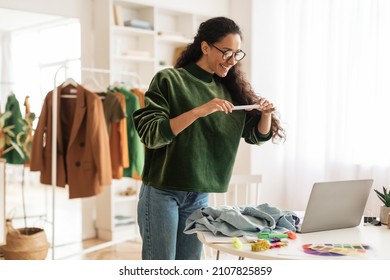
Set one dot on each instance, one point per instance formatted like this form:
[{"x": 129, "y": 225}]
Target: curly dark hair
[{"x": 212, "y": 31}]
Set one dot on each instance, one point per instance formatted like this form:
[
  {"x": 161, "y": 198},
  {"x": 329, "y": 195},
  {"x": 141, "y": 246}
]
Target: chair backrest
[{"x": 243, "y": 190}]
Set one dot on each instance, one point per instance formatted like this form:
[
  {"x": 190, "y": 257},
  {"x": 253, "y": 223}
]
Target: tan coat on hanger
[{"x": 83, "y": 152}]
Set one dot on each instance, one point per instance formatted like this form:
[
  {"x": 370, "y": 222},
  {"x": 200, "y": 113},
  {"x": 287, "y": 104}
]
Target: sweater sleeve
[
  {"x": 152, "y": 122},
  {"x": 250, "y": 132}
]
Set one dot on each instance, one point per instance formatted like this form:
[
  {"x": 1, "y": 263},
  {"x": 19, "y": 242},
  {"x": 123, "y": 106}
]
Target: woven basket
[{"x": 25, "y": 244}]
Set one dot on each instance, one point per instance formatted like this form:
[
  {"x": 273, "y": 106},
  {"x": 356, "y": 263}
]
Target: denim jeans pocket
[{"x": 142, "y": 191}]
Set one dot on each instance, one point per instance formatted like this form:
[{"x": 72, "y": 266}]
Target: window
[{"x": 38, "y": 54}]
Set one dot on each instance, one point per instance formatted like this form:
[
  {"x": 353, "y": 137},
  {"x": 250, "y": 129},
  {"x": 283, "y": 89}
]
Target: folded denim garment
[{"x": 241, "y": 220}]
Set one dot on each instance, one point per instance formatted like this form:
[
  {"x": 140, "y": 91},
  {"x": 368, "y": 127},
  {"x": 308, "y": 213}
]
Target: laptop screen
[{"x": 336, "y": 205}]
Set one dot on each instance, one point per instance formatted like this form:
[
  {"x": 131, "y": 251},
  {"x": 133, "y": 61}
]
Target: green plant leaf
[
  {"x": 2, "y": 143},
  {"x": 17, "y": 148},
  {"x": 8, "y": 130},
  {"x": 384, "y": 196}
]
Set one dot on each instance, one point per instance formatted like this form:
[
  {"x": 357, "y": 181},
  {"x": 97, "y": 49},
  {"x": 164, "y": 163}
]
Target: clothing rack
[{"x": 54, "y": 152}]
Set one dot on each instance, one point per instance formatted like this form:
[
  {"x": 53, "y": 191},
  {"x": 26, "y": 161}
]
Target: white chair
[{"x": 243, "y": 190}]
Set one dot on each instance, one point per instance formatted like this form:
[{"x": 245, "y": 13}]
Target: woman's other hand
[{"x": 265, "y": 106}]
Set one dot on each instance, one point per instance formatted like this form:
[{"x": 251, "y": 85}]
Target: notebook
[{"x": 335, "y": 205}]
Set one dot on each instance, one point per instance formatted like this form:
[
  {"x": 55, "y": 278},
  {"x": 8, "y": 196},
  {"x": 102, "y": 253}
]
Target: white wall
[
  {"x": 68, "y": 8},
  {"x": 240, "y": 15},
  {"x": 266, "y": 159}
]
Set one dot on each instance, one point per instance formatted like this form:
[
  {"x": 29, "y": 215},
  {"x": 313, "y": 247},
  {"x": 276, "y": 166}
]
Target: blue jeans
[{"x": 162, "y": 215}]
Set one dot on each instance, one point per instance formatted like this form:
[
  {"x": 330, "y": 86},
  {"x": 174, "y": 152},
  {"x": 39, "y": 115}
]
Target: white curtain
[{"x": 326, "y": 64}]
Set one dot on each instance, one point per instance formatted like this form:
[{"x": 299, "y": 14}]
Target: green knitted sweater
[{"x": 201, "y": 157}]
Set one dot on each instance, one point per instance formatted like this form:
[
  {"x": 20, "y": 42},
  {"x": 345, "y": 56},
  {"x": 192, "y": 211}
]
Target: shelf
[
  {"x": 123, "y": 221},
  {"x": 173, "y": 22},
  {"x": 120, "y": 232},
  {"x": 133, "y": 31},
  {"x": 127, "y": 58},
  {"x": 123, "y": 198},
  {"x": 173, "y": 28},
  {"x": 124, "y": 226},
  {"x": 174, "y": 39},
  {"x": 129, "y": 4}
]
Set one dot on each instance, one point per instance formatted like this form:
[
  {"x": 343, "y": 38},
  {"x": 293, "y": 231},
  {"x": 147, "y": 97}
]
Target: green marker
[{"x": 263, "y": 235}]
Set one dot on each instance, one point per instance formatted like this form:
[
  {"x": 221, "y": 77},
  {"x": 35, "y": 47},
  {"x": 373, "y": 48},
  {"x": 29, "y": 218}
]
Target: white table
[{"x": 377, "y": 237}]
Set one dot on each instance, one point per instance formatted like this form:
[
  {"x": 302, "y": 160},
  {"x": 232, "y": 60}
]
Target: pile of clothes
[{"x": 241, "y": 220}]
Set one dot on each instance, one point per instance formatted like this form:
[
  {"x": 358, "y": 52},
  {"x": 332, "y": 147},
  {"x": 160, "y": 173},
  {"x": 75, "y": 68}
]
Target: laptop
[{"x": 335, "y": 205}]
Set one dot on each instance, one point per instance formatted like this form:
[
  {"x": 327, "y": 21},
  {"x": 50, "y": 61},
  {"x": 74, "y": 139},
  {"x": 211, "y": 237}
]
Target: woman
[{"x": 191, "y": 134}]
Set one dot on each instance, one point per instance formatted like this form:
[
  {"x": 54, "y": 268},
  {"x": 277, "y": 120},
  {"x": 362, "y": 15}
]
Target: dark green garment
[
  {"x": 113, "y": 111},
  {"x": 12, "y": 105},
  {"x": 201, "y": 157},
  {"x": 136, "y": 148}
]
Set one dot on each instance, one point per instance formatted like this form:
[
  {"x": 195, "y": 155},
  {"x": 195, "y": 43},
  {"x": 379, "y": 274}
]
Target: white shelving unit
[
  {"x": 141, "y": 50},
  {"x": 144, "y": 51},
  {"x": 132, "y": 48},
  {"x": 116, "y": 215}
]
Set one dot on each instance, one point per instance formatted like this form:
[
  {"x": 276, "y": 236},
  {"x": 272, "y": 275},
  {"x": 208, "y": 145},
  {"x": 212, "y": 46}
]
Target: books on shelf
[
  {"x": 121, "y": 220},
  {"x": 143, "y": 24},
  {"x": 136, "y": 53},
  {"x": 174, "y": 36},
  {"x": 118, "y": 15}
]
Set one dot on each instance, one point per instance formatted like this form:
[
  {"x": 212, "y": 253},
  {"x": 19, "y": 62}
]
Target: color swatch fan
[{"x": 335, "y": 249}]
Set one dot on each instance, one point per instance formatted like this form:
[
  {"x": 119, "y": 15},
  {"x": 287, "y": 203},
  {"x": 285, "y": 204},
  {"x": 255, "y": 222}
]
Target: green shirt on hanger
[
  {"x": 12, "y": 105},
  {"x": 136, "y": 148}
]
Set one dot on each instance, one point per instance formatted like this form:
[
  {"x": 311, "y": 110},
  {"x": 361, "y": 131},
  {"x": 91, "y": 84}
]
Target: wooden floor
[
  {"x": 121, "y": 251},
  {"x": 69, "y": 241},
  {"x": 129, "y": 250}
]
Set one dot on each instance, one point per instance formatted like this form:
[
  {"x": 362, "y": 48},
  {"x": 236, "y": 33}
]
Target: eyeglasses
[{"x": 226, "y": 55}]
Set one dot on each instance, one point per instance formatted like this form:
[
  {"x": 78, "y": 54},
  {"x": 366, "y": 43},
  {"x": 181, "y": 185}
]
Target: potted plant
[
  {"x": 384, "y": 196},
  {"x": 27, "y": 243},
  {"x": 6, "y": 135}
]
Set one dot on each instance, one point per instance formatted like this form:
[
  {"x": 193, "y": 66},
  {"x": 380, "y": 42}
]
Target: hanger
[
  {"x": 134, "y": 83},
  {"x": 117, "y": 84},
  {"x": 92, "y": 84},
  {"x": 70, "y": 82},
  {"x": 114, "y": 86}
]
